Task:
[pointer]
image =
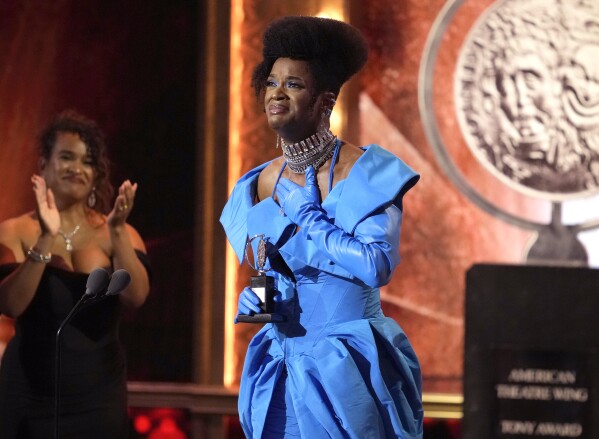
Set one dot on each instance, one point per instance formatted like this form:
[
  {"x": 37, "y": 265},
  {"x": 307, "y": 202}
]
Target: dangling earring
[
  {"x": 278, "y": 144},
  {"x": 91, "y": 200},
  {"x": 326, "y": 114},
  {"x": 322, "y": 126}
]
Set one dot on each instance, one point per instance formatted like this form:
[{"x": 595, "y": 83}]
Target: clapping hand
[
  {"x": 45, "y": 206},
  {"x": 123, "y": 204}
]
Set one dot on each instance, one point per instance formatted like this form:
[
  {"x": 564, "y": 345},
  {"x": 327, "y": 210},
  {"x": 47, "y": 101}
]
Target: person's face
[
  {"x": 69, "y": 171},
  {"x": 290, "y": 102},
  {"x": 527, "y": 95}
]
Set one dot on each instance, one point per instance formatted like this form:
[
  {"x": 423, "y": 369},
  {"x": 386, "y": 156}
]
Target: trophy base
[{"x": 261, "y": 318}]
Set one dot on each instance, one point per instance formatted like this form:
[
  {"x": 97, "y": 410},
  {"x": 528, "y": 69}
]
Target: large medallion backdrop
[{"x": 444, "y": 233}]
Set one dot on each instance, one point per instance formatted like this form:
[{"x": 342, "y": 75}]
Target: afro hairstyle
[{"x": 334, "y": 50}]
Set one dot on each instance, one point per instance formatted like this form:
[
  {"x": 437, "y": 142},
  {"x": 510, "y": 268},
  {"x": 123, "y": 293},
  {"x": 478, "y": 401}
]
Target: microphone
[
  {"x": 119, "y": 281},
  {"x": 97, "y": 282},
  {"x": 100, "y": 284}
]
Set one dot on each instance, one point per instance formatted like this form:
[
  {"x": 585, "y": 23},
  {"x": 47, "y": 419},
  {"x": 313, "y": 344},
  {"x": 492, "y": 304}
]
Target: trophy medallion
[{"x": 263, "y": 285}]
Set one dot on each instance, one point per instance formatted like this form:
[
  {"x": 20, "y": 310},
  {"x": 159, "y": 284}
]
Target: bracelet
[{"x": 36, "y": 256}]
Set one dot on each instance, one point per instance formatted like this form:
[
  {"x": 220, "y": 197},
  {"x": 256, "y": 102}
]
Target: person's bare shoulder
[
  {"x": 136, "y": 239},
  {"x": 15, "y": 234},
  {"x": 348, "y": 155},
  {"x": 268, "y": 177}
]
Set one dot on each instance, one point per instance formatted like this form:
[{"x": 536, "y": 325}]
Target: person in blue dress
[{"x": 330, "y": 214}]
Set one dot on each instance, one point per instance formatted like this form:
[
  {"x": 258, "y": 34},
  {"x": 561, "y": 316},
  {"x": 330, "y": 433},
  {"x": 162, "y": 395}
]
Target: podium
[{"x": 531, "y": 365}]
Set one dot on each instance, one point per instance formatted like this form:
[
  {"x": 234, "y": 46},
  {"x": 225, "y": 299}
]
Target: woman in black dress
[{"x": 46, "y": 256}]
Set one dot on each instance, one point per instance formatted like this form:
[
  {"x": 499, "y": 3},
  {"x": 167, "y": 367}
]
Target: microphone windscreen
[
  {"x": 97, "y": 281},
  {"x": 119, "y": 281}
]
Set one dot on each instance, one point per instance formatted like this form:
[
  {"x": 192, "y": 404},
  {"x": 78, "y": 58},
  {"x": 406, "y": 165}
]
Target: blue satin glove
[
  {"x": 248, "y": 303},
  {"x": 371, "y": 254},
  {"x": 300, "y": 203}
]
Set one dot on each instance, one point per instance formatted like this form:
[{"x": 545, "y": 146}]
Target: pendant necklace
[{"x": 68, "y": 237}]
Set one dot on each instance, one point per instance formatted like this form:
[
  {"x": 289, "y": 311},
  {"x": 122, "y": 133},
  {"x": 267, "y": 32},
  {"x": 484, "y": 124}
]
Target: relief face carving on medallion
[{"x": 527, "y": 95}]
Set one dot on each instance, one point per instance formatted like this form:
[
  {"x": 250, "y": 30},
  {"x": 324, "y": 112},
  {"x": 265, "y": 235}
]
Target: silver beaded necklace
[{"x": 313, "y": 151}]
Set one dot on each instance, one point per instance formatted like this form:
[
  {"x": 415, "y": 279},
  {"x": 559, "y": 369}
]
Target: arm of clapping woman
[
  {"x": 17, "y": 290},
  {"x": 125, "y": 240},
  {"x": 371, "y": 253}
]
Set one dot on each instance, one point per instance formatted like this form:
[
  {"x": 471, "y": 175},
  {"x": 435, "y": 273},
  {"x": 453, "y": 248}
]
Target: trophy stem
[{"x": 557, "y": 243}]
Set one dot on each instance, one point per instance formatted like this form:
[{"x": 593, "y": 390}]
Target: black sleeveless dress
[{"x": 93, "y": 395}]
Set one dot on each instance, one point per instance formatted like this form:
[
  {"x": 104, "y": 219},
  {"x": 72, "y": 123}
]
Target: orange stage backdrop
[{"x": 136, "y": 73}]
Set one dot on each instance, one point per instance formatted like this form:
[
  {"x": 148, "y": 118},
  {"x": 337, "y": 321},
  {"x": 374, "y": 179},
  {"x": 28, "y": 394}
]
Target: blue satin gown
[{"x": 337, "y": 368}]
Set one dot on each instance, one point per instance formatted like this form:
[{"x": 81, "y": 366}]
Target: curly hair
[
  {"x": 334, "y": 50},
  {"x": 70, "y": 121}
]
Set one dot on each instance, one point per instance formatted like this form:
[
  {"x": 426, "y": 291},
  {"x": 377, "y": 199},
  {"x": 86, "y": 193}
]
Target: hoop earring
[{"x": 91, "y": 200}]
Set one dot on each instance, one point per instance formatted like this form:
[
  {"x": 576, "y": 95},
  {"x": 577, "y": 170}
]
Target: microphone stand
[
  {"x": 99, "y": 286},
  {"x": 73, "y": 311}
]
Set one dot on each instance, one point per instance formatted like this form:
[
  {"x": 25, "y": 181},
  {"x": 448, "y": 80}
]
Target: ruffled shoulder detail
[
  {"x": 234, "y": 215},
  {"x": 377, "y": 179}
]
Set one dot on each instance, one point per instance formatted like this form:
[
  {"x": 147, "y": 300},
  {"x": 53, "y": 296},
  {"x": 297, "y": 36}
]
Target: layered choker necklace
[{"x": 313, "y": 151}]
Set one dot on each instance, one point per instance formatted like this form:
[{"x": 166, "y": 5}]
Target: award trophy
[{"x": 263, "y": 286}]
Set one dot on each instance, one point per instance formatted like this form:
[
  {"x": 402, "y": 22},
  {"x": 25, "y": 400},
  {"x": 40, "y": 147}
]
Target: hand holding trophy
[{"x": 262, "y": 285}]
